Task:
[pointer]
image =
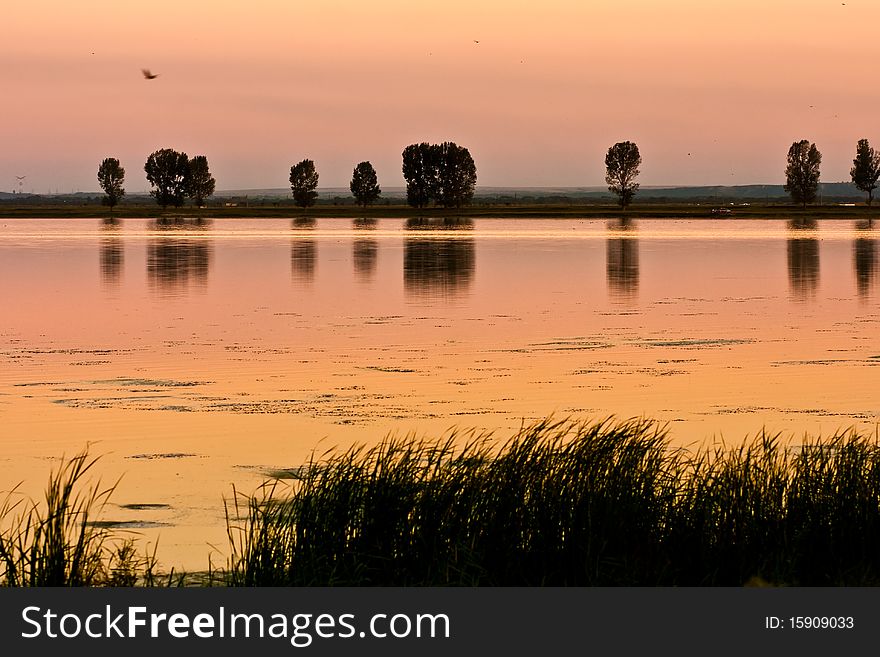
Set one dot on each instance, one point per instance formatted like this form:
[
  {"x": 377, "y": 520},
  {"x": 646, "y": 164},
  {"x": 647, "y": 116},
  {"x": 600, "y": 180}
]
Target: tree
[
  {"x": 303, "y": 182},
  {"x": 420, "y": 170},
  {"x": 802, "y": 172},
  {"x": 111, "y": 177},
  {"x": 168, "y": 171},
  {"x": 866, "y": 169},
  {"x": 199, "y": 182},
  {"x": 364, "y": 184},
  {"x": 444, "y": 173},
  {"x": 457, "y": 175},
  {"x": 621, "y": 170}
]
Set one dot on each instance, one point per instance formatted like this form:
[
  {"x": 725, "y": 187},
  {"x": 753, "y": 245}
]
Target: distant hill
[{"x": 828, "y": 191}]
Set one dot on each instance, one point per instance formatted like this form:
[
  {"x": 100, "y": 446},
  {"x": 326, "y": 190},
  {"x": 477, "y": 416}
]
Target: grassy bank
[
  {"x": 559, "y": 503},
  {"x": 62, "y": 541},
  {"x": 502, "y": 211}
]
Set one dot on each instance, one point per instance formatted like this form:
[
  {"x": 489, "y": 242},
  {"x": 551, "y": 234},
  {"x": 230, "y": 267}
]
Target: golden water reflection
[
  {"x": 437, "y": 267},
  {"x": 439, "y": 223},
  {"x": 174, "y": 266},
  {"x": 112, "y": 256},
  {"x": 364, "y": 254},
  {"x": 865, "y": 259},
  {"x": 803, "y": 260},
  {"x": 224, "y": 375},
  {"x": 303, "y": 257},
  {"x": 622, "y": 260}
]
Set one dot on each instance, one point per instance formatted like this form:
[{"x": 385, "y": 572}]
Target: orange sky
[{"x": 713, "y": 92}]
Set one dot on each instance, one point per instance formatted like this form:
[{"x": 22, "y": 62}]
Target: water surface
[{"x": 195, "y": 355}]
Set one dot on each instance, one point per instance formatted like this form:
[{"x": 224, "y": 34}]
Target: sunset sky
[{"x": 713, "y": 92}]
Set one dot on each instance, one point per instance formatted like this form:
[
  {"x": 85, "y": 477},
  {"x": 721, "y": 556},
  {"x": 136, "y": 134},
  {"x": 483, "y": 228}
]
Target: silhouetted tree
[
  {"x": 444, "y": 173},
  {"x": 457, "y": 175},
  {"x": 866, "y": 169},
  {"x": 802, "y": 172},
  {"x": 199, "y": 182},
  {"x": 621, "y": 170},
  {"x": 420, "y": 170},
  {"x": 111, "y": 177},
  {"x": 167, "y": 171},
  {"x": 364, "y": 184},
  {"x": 303, "y": 183}
]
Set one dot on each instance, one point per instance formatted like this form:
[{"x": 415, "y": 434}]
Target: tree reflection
[
  {"x": 865, "y": 257},
  {"x": 803, "y": 261},
  {"x": 439, "y": 223},
  {"x": 303, "y": 256},
  {"x": 622, "y": 260},
  {"x": 364, "y": 252},
  {"x": 112, "y": 252},
  {"x": 181, "y": 223},
  {"x": 303, "y": 251},
  {"x": 176, "y": 263},
  {"x": 112, "y": 257},
  {"x": 434, "y": 266},
  {"x": 173, "y": 264}
]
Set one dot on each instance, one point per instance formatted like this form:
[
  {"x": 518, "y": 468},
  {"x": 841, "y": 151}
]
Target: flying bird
[
  {"x": 475, "y": 41},
  {"x": 148, "y": 75}
]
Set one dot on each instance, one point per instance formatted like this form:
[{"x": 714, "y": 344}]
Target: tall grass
[
  {"x": 559, "y": 503},
  {"x": 566, "y": 503},
  {"x": 58, "y": 543}
]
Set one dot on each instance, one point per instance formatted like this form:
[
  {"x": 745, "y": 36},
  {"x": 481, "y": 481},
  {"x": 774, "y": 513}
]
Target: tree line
[
  {"x": 174, "y": 177},
  {"x": 446, "y": 175},
  {"x": 801, "y": 172}
]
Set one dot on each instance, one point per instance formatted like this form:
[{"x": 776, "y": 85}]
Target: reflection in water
[
  {"x": 803, "y": 261},
  {"x": 112, "y": 252},
  {"x": 365, "y": 223},
  {"x": 112, "y": 258},
  {"x": 181, "y": 223},
  {"x": 622, "y": 261},
  {"x": 364, "y": 252},
  {"x": 442, "y": 223},
  {"x": 865, "y": 256},
  {"x": 303, "y": 251},
  {"x": 436, "y": 266},
  {"x": 174, "y": 264},
  {"x": 303, "y": 254}
]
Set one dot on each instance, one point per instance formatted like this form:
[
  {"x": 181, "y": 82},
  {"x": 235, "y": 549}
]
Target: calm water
[{"x": 198, "y": 355}]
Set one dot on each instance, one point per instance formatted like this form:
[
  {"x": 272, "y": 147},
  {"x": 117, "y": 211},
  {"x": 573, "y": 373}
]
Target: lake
[{"x": 197, "y": 355}]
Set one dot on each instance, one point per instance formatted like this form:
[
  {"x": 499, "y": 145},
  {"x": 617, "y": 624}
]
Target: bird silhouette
[
  {"x": 475, "y": 41},
  {"x": 148, "y": 75}
]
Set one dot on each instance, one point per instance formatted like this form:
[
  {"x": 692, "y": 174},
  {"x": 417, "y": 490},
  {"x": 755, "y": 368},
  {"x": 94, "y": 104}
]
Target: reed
[
  {"x": 568, "y": 503},
  {"x": 58, "y": 543},
  {"x": 559, "y": 503}
]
